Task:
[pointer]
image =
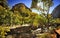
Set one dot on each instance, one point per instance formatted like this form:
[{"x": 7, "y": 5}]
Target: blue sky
[
  {"x": 56, "y": 3},
  {"x": 13, "y": 2},
  {"x": 28, "y": 3}
]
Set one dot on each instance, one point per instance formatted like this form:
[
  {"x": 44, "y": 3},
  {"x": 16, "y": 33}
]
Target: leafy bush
[{"x": 3, "y": 31}]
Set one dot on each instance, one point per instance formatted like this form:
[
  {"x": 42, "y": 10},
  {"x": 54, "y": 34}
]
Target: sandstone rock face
[{"x": 56, "y": 12}]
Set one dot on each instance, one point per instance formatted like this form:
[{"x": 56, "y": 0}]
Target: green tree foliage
[
  {"x": 26, "y": 16},
  {"x": 19, "y": 14},
  {"x": 5, "y": 16},
  {"x": 3, "y": 31},
  {"x": 23, "y": 12},
  {"x": 47, "y": 4},
  {"x": 4, "y": 3}
]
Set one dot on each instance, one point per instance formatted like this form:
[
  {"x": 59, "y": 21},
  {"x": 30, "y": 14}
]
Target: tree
[
  {"x": 5, "y": 16},
  {"x": 4, "y": 3},
  {"x": 50, "y": 3},
  {"x": 34, "y": 3},
  {"x": 23, "y": 12},
  {"x": 3, "y": 31}
]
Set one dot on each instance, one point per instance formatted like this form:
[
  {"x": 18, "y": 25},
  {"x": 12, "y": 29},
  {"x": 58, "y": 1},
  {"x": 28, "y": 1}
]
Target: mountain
[{"x": 19, "y": 7}]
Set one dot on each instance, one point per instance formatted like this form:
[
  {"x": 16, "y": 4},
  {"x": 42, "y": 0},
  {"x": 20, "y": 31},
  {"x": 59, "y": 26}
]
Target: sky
[
  {"x": 13, "y": 2},
  {"x": 28, "y": 3}
]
